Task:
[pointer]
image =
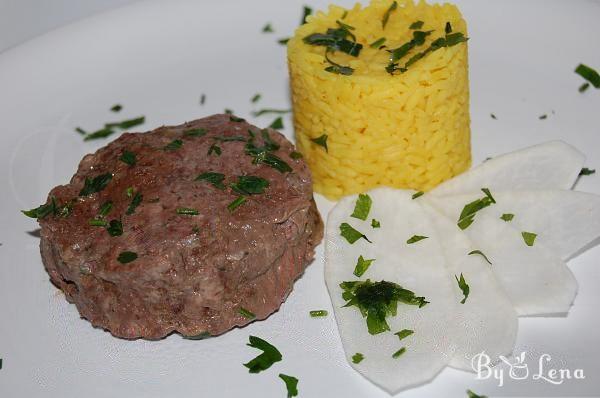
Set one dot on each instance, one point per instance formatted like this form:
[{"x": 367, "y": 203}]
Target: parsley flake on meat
[
  {"x": 127, "y": 257},
  {"x": 128, "y": 158},
  {"x": 216, "y": 179},
  {"x": 96, "y": 184}
]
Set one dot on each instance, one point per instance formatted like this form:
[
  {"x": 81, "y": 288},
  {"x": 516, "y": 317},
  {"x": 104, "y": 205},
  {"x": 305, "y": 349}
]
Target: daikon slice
[
  {"x": 566, "y": 222},
  {"x": 418, "y": 267},
  {"x": 551, "y": 165},
  {"x": 487, "y": 320},
  {"x": 536, "y": 280}
]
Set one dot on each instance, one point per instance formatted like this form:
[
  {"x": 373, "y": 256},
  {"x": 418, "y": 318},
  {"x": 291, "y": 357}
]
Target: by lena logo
[{"x": 518, "y": 369}]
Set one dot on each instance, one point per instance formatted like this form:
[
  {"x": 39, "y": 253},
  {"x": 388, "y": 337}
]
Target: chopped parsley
[
  {"x": 388, "y": 12},
  {"x": 377, "y": 300},
  {"x": 362, "y": 266},
  {"x": 256, "y": 98},
  {"x": 246, "y": 313},
  {"x": 186, "y": 211},
  {"x": 481, "y": 254},
  {"x": 416, "y": 25},
  {"x": 237, "y": 202},
  {"x": 116, "y": 108},
  {"x": 199, "y": 132},
  {"x": 214, "y": 148},
  {"x": 250, "y": 185},
  {"x": 263, "y": 155},
  {"x": 128, "y": 158},
  {"x": 236, "y": 119},
  {"x": 267, "y": 28},
  {"x": 357, "y": 358},
  {"x": 321, "y": 141},
  {"x": 96, "y": 184},
  {"x": 127, "y": 257},
  {"x": 42, "y": 211},
  {"x": 378, "y": 43},
  {"x": 199, "y": 336},
  {"x": 335, "y": 40},
  {"x": 404, "y": 333},
  {"x": 507, "y": 217},
  {"x": 588, "y": 74},
  {"x": 129, "y": 192},
  {"x": 115, "y": 228},
  {"x": 467, "y": 216},
  {"x": 418, "y": 194},
  {"x": 305, "y": 13},
  {"x": 493, "y": 116},
  {"x": 296, "y": 155},
  {"x": 269, "y": 355},
  {"x": 586, "y": 172},
  {"x": 173, "y": 145},
  {"x": 398, "y": 353},
  {"x": 583, "y": 88},
  {"x": 351, "y": 234},
  {"x": 529, "y": 238},
  {"x": 111, "y": 128},
  {"x": 267, "y": 111},
  {"x": 471, "y": 394},
  {"x": 415, "y": 239},
  {"x": 464, "y": 287},
  {"x": 202, "y": 99},
  {"x": 283, "y": 41},
  {"x": 127, "y": 124},
  {"x": 400, "y": 52},
  {"x": 135, "y": 202},
  {"x": 318, "y": 313},
  {"x": 230, "y": 138},
  {"x": 94, "y": 222},
  {"x": 375, "y": 223},
  {"x": 448, "y": 28},
  {"x": 216, "y": 179},
  {"x": 228, "y": 111},
  {"x": 362, "y": 207},
  {"x": 336, "y": 68},
  {"x": 543, "y": 117},
  {"x": 105, "y": 208},
  {"x": 291, "y": 384},
  {"x": 277, "y": 124}
]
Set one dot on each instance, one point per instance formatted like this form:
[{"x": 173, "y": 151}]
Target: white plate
[{"x": 157, "y": 58}]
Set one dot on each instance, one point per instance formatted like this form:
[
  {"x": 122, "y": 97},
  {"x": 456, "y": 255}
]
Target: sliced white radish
[
  {"x": 551, "y": 165},
  {"x": 535, "y": 279},
  {"x": 487, "y": 320},
  {"x": 418, "y": 267}
]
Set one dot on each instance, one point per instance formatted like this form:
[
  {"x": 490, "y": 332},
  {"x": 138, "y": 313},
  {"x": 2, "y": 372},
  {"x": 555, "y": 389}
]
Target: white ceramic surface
[{"x": 157, "y": 58}]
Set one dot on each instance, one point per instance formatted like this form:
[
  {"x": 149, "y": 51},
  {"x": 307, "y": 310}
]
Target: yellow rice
[{"x": 410, "y": 130}]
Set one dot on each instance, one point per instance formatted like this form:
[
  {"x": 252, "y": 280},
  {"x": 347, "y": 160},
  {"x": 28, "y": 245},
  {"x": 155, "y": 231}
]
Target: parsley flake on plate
[
  {"x": 375, "y": 224},
  {"x": 277, "y": 124},
  {"x": 362, "y": 207},
  {"x": 529, "y": 238},
  {"x": 467, "y": 216},
  {"x": 357, "y": 358},
  {"x": 404, "y": 333},
  {"x": 471, "y": 394},
  {"x": 464, "y": 287},
  {"x": 269, "y": 355},
  {"x": 415, "y": 239},
  {"x": 586, "y": 172},
  {"x": 318, "y": 313},
  {"x": 417, "y": 195},
  {"x": 507, "y": 217},
  {"x": 351, "y": 234},
  {"x": 398, "y": 353},
  {"x": 291, "y": 384},
  {"x": 588, "y": 74},
  {"x": 481, "y": 254},
  {"x": 362, "y": 266}
]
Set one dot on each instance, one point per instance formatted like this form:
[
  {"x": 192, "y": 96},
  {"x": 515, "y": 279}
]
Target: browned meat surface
[{"x": 193, "y": 273}]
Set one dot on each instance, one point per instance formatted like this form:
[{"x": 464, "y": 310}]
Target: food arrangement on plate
[{"x": 205, "y": 226}]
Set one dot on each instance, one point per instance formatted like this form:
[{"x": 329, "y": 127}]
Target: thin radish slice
[
  {"x": 566, "y": 222},
  {"x": 487, "y": 320},
  {"x": 551, "y": 165},
  {"x": 535, "y": 279},
  {"x": 418, "y": 267}
]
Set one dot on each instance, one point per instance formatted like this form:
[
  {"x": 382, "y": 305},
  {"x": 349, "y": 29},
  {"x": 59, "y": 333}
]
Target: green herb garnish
[
  {"x": 362, "y": 266},
  {"x": 42, "y": 211},
  {"x": 105, "y": 208},
  {"x": 264, "y": 155},
  {"x": 214, "y": 148},
  {"x": 126, "y": 124},
  {"x": 378, "y": 43},
  {"x": 186, "y": 211},
  {"x": 94, "y": 222},
  {"x": 296, "y": 155},
  {"x": 269, "y": 355},
  {"x": 448, "y": 28},
  {"x": 464, "y": 287},
  {"x": 199, "y": 336},
  {"x": 115, "y": 228},
  {"x": 507, "y": 217},
  {"x": 250, "y": 185},
  {"x": 404, "y": 333},
  {"x": 236, "y": 203},
  {"x": 96, "y": 184},
  {"x": 586, "y": 172},
  {"x": 256, "y": 98},
  {"x": 127, "y": 257},
  {"x": 351, "y": 234},
  {"x": 493, "y": 116},
  {"x": 388, "y": 12},
  {"x": 583, "y": 88},
  {"x": 277, "y": 124},
  {"x": 467, "y": 216},
  {"x": 321, "y": 141},
  {"x": 543, "y": 117},
  {"x": 471, "y": 394},
  {"x": 416, "y": 25},
  {"x": 336, "y": 68},
  {"x": 216, "y": 179},
  {"x": 418, "y": 194},
  {"x": 267, "y": 111},
  {"x": 291, "y": 384},
  {"x": 267, "y": 28},
  {"x": 357, "y": 358},
  {"x": 398, "y": 353},
  {"x": 230, "y": 138},
  {"x": 128, "y": 158},
  {"x": 202, "y": 99},
  {"x": 245, "y": 313},
  {"x": 116, "y": 108},
  {"x": 377, "y": 300},
  {"x": 588, "y": 74},
  {"x": 415, "y": 238},
  {"x": 335, "y": 40},
  {"x": 529, "y": 238},
  {"x": 481, "y": 254},
  {"x": 129, "y": 192},
  {"x": 305, "y": 13},
  {"x": 318, "y": 313},
  {"x": 362, "y": 207},
  {"x": 283, "y": 41},
  {"x": 236, "y": 119},
  {"x": 228, "y": 111},
  {"x": 375, "y": 223},
  {"x": 195, "y": 132},
  {"x": 135, "y": 202},
  {"x": 173, "y": 145}
]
